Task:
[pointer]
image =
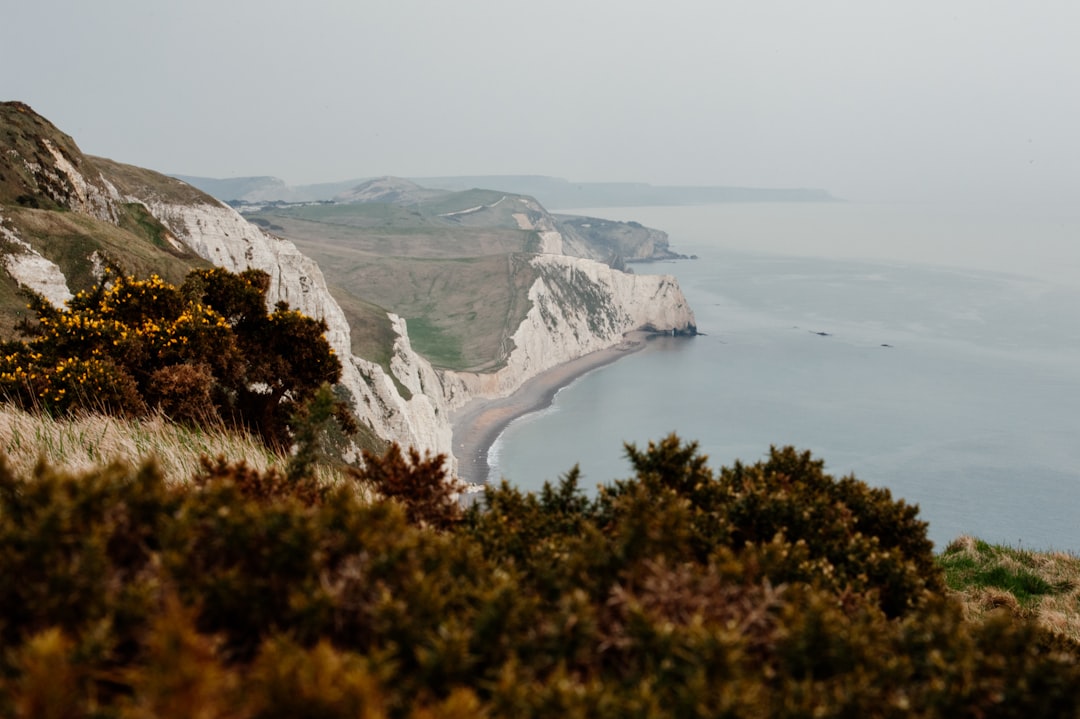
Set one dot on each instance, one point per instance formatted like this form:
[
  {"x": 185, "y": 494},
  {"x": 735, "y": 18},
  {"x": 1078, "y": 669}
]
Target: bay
[{"x": 931, "y": 350}]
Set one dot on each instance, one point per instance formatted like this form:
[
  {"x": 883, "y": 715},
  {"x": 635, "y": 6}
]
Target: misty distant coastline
[{"x": 552, "y": 192}]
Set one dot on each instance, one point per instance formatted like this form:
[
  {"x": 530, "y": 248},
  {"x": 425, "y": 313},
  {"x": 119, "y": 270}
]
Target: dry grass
[
  {"x": 82, "y": 443},
  {"x": 1044, "y": 586}
]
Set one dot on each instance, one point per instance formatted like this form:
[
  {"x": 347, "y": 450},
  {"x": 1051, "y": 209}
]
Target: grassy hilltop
[{"x": 460, "y": 282}]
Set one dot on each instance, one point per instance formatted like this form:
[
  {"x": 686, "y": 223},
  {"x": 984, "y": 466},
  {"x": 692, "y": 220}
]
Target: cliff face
[
  {"x": 629, "y": 241},
  {"x": 577, "y": 305}
]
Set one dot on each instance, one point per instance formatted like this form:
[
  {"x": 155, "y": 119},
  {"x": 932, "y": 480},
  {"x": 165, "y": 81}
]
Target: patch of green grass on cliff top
[
  {"x": 440, "y": 347},
  {"x": 365, "y": 215},
  {"x": 988, "y": 577},
  {"x": 461, "y": 312},
  {"x": 147, "y": 184},
  {"x": 385, "y": 230},
  {"x": 69, "y": 238}
]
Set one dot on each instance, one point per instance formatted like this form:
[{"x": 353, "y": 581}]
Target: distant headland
[{"x": 553, "y": 192}]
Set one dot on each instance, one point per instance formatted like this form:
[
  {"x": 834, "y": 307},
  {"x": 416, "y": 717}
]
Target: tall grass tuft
[
  {"x": 1044, "y": 586},
  {"x": 80, "y": 443}
]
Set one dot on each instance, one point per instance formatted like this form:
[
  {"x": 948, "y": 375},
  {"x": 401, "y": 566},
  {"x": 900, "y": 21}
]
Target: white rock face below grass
[
  {"x": 578, "y": 306},
  {"x": 27, "y": 267}
]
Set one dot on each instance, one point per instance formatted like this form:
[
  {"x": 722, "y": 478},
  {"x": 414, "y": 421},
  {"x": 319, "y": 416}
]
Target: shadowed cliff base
[{"x": 479, "y": 423}]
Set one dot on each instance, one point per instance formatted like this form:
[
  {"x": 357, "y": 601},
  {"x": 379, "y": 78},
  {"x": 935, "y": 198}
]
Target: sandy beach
[{"x": 478, "y": 424}]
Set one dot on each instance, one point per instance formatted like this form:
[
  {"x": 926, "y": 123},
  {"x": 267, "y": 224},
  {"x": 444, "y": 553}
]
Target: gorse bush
[
  {"x": 247, "y": 594},
  {"x": 207, "y": 352}
]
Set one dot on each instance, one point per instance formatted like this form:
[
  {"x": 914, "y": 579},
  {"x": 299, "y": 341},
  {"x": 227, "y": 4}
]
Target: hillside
[
  {"x": 61, "y": 220},
  {"x": 453, "y": 264}
]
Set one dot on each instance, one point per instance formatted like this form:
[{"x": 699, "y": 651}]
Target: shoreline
[{"x": 479, "y": 423}]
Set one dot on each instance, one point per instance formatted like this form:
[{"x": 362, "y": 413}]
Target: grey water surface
[{"x": 935, "y": 352}]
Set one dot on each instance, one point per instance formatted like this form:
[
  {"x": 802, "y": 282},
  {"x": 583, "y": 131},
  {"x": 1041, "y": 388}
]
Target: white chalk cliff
[{"x": 578, "y": 306}]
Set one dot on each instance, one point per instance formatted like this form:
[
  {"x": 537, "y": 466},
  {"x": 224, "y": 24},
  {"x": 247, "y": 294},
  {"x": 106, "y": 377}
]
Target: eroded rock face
[
  {"x": 27, "y": 267},
  {"x": 96, "y": 199}
]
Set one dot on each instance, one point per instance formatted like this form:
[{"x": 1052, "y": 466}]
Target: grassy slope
[
  {"x": 147, "y": 184},
  {"x": 458, "y": 281},
  {"x": 139, "y": 244},
  {"x": 69, "y": 239},
  {"x": 80, "y": 444},
  {"x": 460, "y": 312},
  {"x": 1040, "y": 585}
]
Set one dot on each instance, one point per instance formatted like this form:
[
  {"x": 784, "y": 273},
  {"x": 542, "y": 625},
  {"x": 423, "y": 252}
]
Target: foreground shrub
[
  {"x": 243, "y": 594},
  {"x": 207, "y": 352},
  {"x": 420, "y": 484},
  {"x": 784, "y": 516}
]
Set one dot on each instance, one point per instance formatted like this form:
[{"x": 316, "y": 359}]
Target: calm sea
[{"x": 934, "y": 351}]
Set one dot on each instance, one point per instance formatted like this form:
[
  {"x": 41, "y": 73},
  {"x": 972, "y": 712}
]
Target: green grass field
[{"x": 461, "y": 289}]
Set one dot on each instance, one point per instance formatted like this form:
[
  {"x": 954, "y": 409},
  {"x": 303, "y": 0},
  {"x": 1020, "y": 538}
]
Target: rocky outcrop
[
  {"x": 611, "y": 240},
  {"x": 27, "y": 267}
]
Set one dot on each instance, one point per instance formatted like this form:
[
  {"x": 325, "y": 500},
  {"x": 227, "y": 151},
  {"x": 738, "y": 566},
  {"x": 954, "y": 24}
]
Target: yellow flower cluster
[
  {"x": 48, "y": 382},
  {"x": 107, "y": 347},
  {"x": 191, "y": 322},
  {"x": 86, "y": 375},
  {"x": 18, "y": 368},
  {"x": 122, "y": 289},
  {"x": 89, "y": 331}
]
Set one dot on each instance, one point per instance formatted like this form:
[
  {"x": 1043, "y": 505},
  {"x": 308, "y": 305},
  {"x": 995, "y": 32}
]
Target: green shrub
[
  {"x": 420, "y": 483},
  {"x": 205, "y": 353},
  {"x": 246, "y": 594}
]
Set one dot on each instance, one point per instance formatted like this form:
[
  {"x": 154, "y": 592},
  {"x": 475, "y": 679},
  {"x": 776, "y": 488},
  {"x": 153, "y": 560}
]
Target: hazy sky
[{"x": 908, "y": 100}]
